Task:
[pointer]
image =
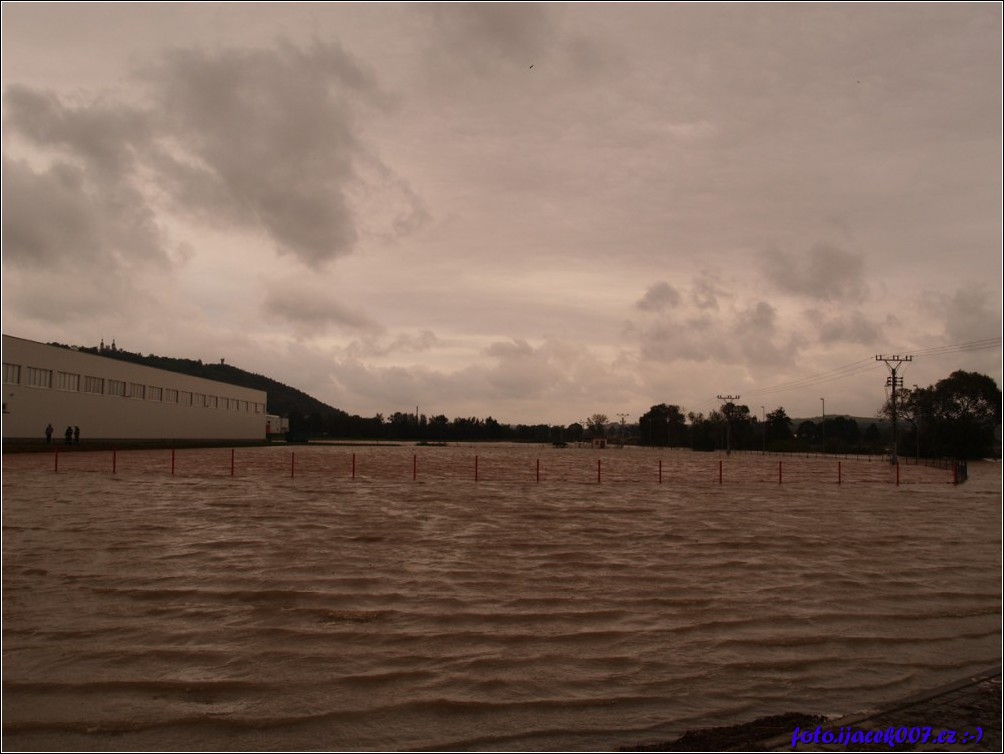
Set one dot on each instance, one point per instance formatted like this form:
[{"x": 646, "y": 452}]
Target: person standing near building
[
  {"x": 76, "y": 435},
  {"x": 68, "y": 434},
  {"x": 48, "y": 434}
]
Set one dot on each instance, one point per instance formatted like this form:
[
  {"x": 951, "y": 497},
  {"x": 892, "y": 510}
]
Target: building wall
[{"x": 112, "y": 399}]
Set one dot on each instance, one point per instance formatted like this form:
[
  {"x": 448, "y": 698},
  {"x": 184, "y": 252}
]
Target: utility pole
[
  {"x": 728, "y": 422},
  {"x": 623, "y": 417},
  {"x": 894, "y": 381},
  {"x": 822, "y": 423}
]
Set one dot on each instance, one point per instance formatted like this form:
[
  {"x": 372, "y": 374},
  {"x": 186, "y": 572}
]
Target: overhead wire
[{"x": 860, "y": 367}]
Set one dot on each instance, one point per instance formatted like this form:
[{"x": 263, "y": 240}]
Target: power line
[
  {"x": 856, "y": 368},
  {"x": 976, "y": 345},
  {"x": 848, "y": 370},
  {"x": 865, "y": 365}
]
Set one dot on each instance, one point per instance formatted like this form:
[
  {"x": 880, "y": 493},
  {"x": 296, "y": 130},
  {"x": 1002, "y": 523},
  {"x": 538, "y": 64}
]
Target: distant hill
[{"x": 283, "y": 400}]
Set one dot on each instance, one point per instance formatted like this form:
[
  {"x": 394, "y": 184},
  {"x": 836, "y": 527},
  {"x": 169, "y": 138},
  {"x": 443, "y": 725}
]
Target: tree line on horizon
[
  {"x": 958, "y": 416},
  {"x": 735, "y": 427}
]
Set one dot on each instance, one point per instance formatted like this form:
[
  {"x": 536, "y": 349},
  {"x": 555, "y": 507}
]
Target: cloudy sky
[{"x": 534, "y": 212}]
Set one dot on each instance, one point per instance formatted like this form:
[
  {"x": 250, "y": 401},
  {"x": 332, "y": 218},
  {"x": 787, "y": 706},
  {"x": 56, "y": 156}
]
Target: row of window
[{"x": 75, "y": 383}]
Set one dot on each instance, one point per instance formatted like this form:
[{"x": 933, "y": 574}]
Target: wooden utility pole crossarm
[{"x": 894, "y": 381}]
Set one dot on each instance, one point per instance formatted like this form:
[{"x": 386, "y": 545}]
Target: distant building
[
  {"x": 112, "y": 399},
  {"x": 276, "y": 425}
]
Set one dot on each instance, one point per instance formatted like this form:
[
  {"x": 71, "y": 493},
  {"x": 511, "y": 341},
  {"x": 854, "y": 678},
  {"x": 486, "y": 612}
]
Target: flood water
[{"x": 409, "y": 598}]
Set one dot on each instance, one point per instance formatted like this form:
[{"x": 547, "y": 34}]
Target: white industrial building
[{"x": 112, "y": 399}]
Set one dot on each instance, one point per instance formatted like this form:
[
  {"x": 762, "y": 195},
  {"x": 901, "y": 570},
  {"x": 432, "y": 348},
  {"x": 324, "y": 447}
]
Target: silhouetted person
[
  {"x": 76, "y": 435},
  {"x": 69, "y": 435},
  {"x": 48, "y": 434}
]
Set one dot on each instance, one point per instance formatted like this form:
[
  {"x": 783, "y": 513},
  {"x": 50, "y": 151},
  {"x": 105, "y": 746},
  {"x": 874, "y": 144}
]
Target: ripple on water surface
[{"x": 264, "y": 610}]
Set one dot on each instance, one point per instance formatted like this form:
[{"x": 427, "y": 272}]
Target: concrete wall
[{"x": 63, "y": 387}]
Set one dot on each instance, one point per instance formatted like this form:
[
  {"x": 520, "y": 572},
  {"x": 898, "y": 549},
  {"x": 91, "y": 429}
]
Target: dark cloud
[
  {"x": 267, "y": 138},
  {"x": 315, "y": 311},
  {"x": 757, "y": 338},
  {"x": 758, "y": 318},
  {"x": 403, "y": 343},
  {"x": 510, "y": 350},
  {"x": 103, "y": 136},
  {"x": 846, "y": 327},
  {"x": 969, "y": 314},
  {"x": 479, "y": 37},
  {"x": 70, "y": 217},
  {"x": 658, "y": 297},
  {"x": 551, "y": 373},
  {"x": 46, "y": 215},
  {"x": 260, "y": 140},
  {"x": 711, "y": 326},
  {"x": 705, "y": 292},
  {"x": 825, "y": 272},
  {"x": 86, "y": 207}
]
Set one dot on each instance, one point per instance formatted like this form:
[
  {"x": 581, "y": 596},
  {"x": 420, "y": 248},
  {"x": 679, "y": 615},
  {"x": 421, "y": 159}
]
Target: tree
[
  {"x": 597, "y": 424},
  {"x": 663, "y": 425},
  {"x": 778, "y": 426},
  {"x": 705, "y": 431},
  {"x": 738, "y": 425},
  {"x": 807, "y": 431},
  {"x": 957, "y": 416},
  {"x": 841, "y": 433}
]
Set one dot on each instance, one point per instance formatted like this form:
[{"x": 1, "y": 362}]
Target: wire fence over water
[
  {"x": 508, "y": 464},
  {"x": 292, "y": 607}
]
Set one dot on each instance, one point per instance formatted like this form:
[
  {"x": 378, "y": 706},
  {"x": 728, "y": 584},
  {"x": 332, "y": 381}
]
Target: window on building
[
  {"x": 94, "y": 385},
  {"x": 117, "y": 387},
  {"x": 170, "y": 396},
  {"x": 11, "y": 374},
  {"x": 39, "y": 377},
  {"x": 185, "y": 398},
  {"x": 154, "y": 393},
  {"x": 136, "y": 390},
  {"x": 68, "y": 381},
  {"x": 198, "y": 399},
  {"x": 210, "y": 401}
]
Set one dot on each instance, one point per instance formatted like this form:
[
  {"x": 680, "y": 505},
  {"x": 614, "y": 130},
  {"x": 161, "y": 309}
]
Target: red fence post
[
  {"x": 955, "y": 472},
  {"x": 779, "y": 472},
  {"x": 599, "y": 474},
  {"x": 231, "y": 461}
]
